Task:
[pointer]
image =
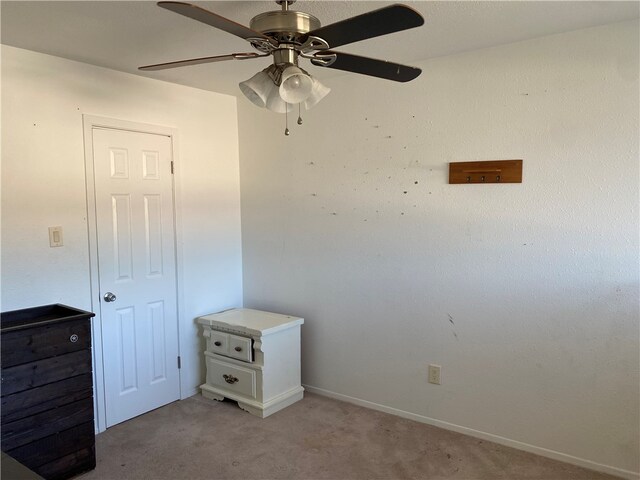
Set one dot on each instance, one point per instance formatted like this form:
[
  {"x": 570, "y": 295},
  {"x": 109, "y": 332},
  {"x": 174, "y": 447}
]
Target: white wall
[
  {"x": 526, "y": 294},
  {"x": 43, "y": 184}
]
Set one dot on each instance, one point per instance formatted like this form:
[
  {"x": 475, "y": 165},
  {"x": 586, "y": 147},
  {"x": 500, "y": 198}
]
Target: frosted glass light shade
[
  {"x": 257, "y": 88},
  {"x": 318, "y": 92},
  {"x": 275, "y": 103},
  {"x": 295, "y": 86}
]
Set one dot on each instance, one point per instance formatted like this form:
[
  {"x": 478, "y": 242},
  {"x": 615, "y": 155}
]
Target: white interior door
[{"x": 137, "y": 271}]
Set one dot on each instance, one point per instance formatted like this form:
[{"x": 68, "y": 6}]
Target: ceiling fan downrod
[{"x": 285, "y": 4}]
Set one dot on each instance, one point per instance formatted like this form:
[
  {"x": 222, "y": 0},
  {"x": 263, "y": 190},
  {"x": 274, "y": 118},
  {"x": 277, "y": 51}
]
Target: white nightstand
[{"x": 253, "y": 357}]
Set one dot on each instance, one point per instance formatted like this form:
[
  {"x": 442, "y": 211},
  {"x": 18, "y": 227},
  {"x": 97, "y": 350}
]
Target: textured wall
[
  {"x": 526, "y": 294},
  {"x": 43, "y": 184}
]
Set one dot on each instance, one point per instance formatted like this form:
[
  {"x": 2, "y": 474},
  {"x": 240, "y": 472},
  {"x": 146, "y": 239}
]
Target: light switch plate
[
  {"x": 434, "y": 374},
  {"x": 55, "y": 237}
]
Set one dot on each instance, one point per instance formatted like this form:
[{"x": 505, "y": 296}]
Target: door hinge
[
  {"x": 179, "y": 363},
  {"x": 171, "y": 167}
]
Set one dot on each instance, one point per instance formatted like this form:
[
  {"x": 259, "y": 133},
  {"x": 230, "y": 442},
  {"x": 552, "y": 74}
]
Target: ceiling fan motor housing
[{"x": 285, "y": 26}]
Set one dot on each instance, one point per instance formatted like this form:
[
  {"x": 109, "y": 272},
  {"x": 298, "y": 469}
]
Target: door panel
[
  {"x": 136, "y": 262},
  {"x": 121, "y": 215}
]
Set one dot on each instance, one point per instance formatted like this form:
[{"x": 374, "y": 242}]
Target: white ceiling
[{"x": 123, "y": 35}]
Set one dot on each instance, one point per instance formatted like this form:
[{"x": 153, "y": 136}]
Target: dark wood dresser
[{"x": 47, "y": 390}]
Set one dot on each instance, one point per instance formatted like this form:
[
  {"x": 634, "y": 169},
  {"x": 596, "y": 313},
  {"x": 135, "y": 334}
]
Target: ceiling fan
[{"x": 288, "y": 35}]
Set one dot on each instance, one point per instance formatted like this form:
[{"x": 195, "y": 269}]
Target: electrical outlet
[{"x": 434, "y": 374}]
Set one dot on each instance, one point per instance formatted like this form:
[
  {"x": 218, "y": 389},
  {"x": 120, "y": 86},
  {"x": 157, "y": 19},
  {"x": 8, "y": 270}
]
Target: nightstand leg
[{"x": 212, "y": 396}]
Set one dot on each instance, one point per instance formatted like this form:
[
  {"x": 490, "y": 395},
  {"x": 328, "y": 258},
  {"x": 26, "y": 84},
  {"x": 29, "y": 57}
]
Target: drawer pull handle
[
  {"x": 238, "y": 349},
  {"x": 73, "y": 338},
  {"x": 217, "y": 344},
  {"x": 230, "y": 379}
]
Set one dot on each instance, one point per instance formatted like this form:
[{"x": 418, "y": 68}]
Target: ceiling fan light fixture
[
  {"x": 295, "y": 85},
  {"x": 318, "y": 92},
  {"x": 275, "y": 103},
  {"x": 286, "y": 36},
  {"x": 257, "y": 88}
]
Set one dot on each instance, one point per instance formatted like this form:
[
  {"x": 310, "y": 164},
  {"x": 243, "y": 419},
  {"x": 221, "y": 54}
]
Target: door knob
[{"x": 109, "y": 297}]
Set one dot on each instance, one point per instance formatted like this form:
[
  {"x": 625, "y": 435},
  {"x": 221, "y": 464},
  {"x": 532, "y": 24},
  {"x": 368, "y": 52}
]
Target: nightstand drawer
[
  {"x": 218, "y": 342},
  {"x": 240, "y": 348},
  {"x": 230, "y": 345},
  {"x": 231, "y": 377}
]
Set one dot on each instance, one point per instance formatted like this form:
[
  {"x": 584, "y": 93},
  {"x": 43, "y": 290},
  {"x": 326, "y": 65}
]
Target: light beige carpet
[{"x": 316, "y": 438}]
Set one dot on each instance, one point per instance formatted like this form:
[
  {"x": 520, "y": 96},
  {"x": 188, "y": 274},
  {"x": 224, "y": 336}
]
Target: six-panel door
[{"x": 136, "y": 256}]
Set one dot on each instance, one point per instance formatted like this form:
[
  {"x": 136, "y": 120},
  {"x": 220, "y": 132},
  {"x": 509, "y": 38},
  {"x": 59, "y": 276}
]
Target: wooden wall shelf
[{"x": 489, "y": 171}]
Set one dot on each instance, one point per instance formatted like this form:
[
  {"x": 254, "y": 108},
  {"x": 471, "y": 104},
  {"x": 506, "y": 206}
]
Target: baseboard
[
  {"x": 544, "y": 452},
  {"x": 189, "y": 393}
]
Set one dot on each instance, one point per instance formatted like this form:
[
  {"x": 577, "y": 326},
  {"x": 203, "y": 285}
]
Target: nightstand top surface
[{"x": 246, "y": 320}]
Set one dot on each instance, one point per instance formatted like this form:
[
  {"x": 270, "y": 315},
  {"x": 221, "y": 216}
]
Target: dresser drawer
[
  {"x": 31, "y": 344},
  {"x": 48, "y": 370},
  {"x": 39, "y": 399},
  {"x": 29, "y": 429},
  {"x": 230, "y": 377},
  {"x": 54, "y": 447},
  {"x": 69, "y": 465}
]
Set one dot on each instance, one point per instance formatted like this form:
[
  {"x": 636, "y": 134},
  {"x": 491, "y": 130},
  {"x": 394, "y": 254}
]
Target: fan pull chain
[
  {"x": 299, "y": 116},
  {"x": 286, "y": 123}
]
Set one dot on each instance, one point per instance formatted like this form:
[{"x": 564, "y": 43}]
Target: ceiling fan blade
[
  {"x": 383, "y": 21},
  {"x": 368, "y": 66},
  {"x": 205, "y": 16},
  {"x": 198, "y": 61}
]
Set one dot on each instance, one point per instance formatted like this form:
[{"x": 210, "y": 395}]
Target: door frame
[{"x": 89, "y": 122}]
